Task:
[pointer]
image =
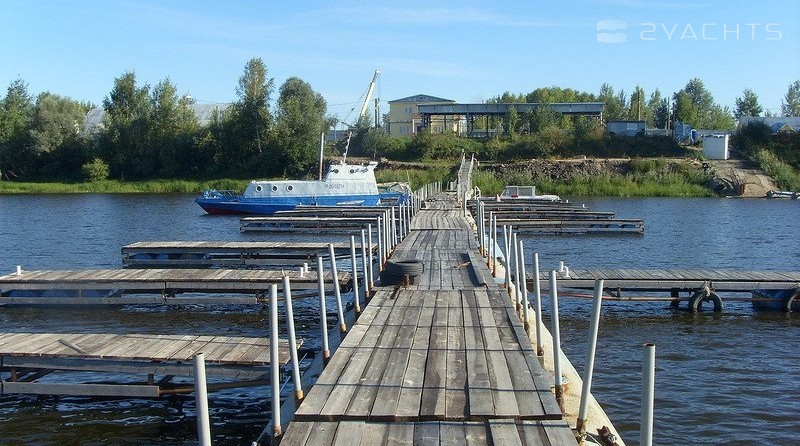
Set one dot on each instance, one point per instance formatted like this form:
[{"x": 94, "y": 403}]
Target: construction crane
[{"x": 371, "y": 88}]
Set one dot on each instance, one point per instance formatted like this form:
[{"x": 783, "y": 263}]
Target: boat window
[
  {"x": 352, "y": 171},
  {"x": 258, "y": 188},
  {"x": 274, "y": 188},
  {"x": 289, "y": 187}
]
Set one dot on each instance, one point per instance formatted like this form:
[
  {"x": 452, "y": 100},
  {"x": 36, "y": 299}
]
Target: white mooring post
[
  {"x": 523, "y": 282},
  {"x": 274, "y": 360},
  {"x": 336, "y": 291},
  {"x": 323, "y": 312},
  {"x": 354, "y": 262},
  {"x": 506, "y": 244},
  {"x": 364, "y": 267},
  {"x": 287, "y": 296},
  {"x": 537, "y": 304},
  {"x": 648, "y": 393},
  {"x": 379, "y": 231},
  {"x": 369, "y": 263},
  {"x": 594, "y": 323},
  {"x": 559, "y": 385},
  {"x": 201, "y": 401},
  {"x": 493, "y": 241},
  {"x": 518, "y": 304}
]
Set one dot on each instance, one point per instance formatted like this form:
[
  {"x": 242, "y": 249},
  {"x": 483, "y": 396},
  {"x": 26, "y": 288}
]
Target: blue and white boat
[{"x": 343, "y": 185}]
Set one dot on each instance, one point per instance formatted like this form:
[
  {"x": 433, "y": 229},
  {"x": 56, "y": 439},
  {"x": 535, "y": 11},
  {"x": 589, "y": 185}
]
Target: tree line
[
  {"x": 154, "y": 133},
  {"x": 693, "y": 104}
]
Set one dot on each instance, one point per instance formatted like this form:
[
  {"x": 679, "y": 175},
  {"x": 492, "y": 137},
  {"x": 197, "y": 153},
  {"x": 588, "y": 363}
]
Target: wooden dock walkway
[
  {"x": 306, "y": 224},
  {"x": 443, "y": 361},
  {"x": 142, "y": 286},
  {"x": 26, "y": 357},
  {"x": 195, "y": 254},
  {"x": 684, "y": 280}
]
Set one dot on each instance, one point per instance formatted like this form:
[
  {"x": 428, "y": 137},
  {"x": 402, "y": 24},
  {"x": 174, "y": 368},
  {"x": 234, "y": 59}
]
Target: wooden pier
[
  {"x": 27, "y": 357},
  {"x": 150, "y": 286},
  {"x": 185, "y": 254},
  {"x": 443, "y": 361},
  {"x": 700, "y": 285},
  {"x": 538, "y": 217},
  {"x": 345, "y": 225}
]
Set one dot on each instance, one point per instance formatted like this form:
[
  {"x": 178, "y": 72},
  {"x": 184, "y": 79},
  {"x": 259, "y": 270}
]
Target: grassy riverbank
[
  {"x": 630, "y": 178},
  {"x": 122, "y": 187},
  {"x": 656, "y": 177}
]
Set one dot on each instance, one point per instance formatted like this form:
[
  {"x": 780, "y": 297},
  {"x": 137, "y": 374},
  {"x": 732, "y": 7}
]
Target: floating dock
[
  {"x": 700, "y": 285},
  {"x": 545, "y": 217},
  {"x": 25, "y": 358},
  {"x": 185, "y": 254},
  {"x": 150, "y": 286},
  {"x": 344, "y": 225}
]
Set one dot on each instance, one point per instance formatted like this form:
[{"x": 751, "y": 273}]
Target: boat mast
[
  {"x": 346, "y": 147},
  {"x": 321, "y": 151}
]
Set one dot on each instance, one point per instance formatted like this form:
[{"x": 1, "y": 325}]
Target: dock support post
[
  {"x": 336, "y": 291},
  {"x": 401, "y": 222},
  {"x": 518, "y": 304},
  {"x": 394, "y": 228},
  {"x": 648, "y": 393},
  {"x": 559, "y": 385},
  {"x": 354, "y": 262},
  {"x": 489, "y": 243},
  {"x": 590, "y": 353},
  {"x": 323, "y": 312},
  {"x": 378, "y": 231},
  {"x": 274, "y": 361},
  {"x": 287, "y": 298},
  {"x": 482, "y": 226},
  {"x": 523, "y": 282},
  {"x": 493, "y": 229},
  {"x": 369, "y": 264},
  {"x": 506, "y": 245},
  {"x": 364, "y": 267},
  {"x": 537, "y": 304},
  {"x": 201, "y": 400}
]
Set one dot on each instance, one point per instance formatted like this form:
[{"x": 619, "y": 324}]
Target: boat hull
[{"x": 255, "y": 206}]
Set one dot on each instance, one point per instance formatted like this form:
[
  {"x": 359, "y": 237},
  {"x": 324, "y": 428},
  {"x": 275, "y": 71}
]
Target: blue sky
[{"x": 461, "y": 50}]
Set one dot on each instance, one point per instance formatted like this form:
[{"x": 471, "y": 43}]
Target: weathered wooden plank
[
  {"x": 349, "y": 433},
  {"x": 504, "y": 431}
]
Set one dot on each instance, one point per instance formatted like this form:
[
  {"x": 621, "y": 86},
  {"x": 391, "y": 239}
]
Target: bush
[{"x": 95, "y": 170}]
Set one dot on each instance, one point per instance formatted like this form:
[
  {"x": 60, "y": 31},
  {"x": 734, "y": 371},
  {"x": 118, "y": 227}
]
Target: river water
[{"x": 720, "y": 379}]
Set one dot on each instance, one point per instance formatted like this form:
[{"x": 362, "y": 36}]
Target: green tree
[
  {"x": 173, "y": 125},
  {"x": 513, "y": 121},
  {"x": 57, "y": 141},
  {"x": 638, "y": 106},
  {"x": 695, "y": 105},
  {"x": 615, "y": 109},
  {"x": 747, "y": 105},
  {"x": 790, "y": 105},
  {"x": 125, "y": 142},
  {"x": 16, "y": 111},
  {"x": 653, "y": 105},
  {"x": 250, "y": 116},
  {"x": 300, "y": 120}
]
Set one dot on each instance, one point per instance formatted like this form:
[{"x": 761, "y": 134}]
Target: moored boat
[{"x": 343, "y": 185}]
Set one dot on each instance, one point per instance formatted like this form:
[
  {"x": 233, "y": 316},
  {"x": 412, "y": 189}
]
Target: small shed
[{"x": 715, "y": 147}]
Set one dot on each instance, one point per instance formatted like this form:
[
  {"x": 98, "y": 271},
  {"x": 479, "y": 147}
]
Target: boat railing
[{"x": 213, "y": 193}]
